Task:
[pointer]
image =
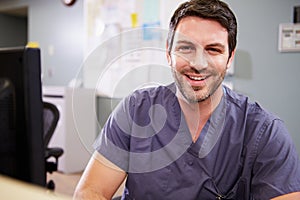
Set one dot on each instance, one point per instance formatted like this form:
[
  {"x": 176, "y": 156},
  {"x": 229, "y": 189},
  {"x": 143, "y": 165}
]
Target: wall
[
  {"x": 262, "y": 72},
  {"x": 60, "y": 32}
]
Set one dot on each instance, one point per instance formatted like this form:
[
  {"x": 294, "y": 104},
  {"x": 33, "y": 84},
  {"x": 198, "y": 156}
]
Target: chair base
[{"x": 50, "y": 185}]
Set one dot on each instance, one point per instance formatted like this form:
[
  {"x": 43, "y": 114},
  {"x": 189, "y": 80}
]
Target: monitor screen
[{"x": 21, "y": 115}]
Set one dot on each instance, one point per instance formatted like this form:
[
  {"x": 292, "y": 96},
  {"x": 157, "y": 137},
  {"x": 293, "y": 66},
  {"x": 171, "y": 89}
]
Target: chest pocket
[{"x": 239, "y": 191}]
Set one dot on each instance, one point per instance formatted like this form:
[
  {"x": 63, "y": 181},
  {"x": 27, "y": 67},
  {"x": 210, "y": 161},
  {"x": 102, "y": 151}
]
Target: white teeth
[{"x": 197, "y": 78}]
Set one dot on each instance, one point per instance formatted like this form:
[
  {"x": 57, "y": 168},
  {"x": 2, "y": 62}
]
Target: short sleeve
[
  {"x": 277, "y": 168},
  {"x": 113, "y": 140}
]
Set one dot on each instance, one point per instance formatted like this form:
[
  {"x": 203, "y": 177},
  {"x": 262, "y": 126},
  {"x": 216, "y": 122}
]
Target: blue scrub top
[{"x": 243, "y": 151}]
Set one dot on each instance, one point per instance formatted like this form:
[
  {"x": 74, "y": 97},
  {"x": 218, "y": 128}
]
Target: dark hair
[{"x": 207, "y": 9}]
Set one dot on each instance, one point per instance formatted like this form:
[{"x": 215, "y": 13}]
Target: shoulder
[
  {"x": 241, "y": 104},
  {"x": 261, "y": 126},
  {"x": 163, "y": 95},
  {"x": 138, "y": 105},
  {"x": 154, "y": 92}
]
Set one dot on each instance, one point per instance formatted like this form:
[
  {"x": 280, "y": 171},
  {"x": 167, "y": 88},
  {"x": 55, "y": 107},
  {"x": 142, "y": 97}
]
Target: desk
[{"x": 14, "y": 190}]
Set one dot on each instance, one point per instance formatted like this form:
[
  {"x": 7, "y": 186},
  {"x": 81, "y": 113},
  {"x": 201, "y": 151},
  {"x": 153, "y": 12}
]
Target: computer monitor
[{"x": 21, "y": 115}]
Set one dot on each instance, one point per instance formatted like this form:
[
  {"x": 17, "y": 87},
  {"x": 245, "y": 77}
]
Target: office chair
[{"x": 51, "y": 117}]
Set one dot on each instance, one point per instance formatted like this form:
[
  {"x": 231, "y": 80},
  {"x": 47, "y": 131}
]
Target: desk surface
[{"x": 14, "y": 190}]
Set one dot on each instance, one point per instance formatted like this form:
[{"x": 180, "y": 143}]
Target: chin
[{"x": 194, "y": 98}]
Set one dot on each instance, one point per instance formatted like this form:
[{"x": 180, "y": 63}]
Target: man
[{"x": 194, "y": 139}]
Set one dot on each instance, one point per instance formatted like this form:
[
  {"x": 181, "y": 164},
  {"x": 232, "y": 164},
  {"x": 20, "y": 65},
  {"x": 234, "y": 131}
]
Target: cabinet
[{"x": 76, "y": 128}]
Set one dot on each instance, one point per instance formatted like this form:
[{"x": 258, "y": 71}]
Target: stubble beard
[{"x": 196, "y": 95}]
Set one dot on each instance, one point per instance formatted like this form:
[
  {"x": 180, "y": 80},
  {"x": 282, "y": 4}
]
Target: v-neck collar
[{"x": 211, "y": 131}]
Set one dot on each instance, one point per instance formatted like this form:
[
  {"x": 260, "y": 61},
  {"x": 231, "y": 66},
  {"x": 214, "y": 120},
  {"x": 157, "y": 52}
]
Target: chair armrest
[{"x": 55, "y": 152}]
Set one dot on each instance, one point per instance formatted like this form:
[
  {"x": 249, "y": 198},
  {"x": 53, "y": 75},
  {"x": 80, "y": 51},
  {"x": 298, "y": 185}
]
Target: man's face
[{"x": 199, "y": 57}]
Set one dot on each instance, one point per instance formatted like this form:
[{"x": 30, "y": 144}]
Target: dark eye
[
  {"x": 214, "y": 50},
  {"x": 185, "y": 49}
]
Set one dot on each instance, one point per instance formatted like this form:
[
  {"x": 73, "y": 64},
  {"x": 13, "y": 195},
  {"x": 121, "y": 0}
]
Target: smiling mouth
[{"x": 196, "y": 78}]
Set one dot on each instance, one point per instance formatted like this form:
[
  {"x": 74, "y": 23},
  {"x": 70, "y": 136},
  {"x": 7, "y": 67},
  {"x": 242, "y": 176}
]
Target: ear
[{"x": 230, "y": 59}]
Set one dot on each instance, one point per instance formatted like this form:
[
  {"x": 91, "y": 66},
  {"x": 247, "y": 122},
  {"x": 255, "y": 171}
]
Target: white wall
[{"x": 60, "y": 33}]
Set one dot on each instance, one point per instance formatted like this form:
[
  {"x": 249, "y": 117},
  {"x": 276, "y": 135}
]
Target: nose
[{"x": 200, "y": 60}]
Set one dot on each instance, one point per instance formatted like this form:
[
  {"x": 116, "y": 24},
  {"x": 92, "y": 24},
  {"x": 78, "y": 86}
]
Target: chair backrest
[{"x": 51, "y": 117}]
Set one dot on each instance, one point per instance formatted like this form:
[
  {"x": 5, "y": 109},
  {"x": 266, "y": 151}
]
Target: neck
[{"x": 197, "y": 114}]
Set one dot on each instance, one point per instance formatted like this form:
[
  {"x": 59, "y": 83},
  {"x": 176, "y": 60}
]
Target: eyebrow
[
  {"x": 184, "y": 41},
  {"x": 219, "y": 45}
]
